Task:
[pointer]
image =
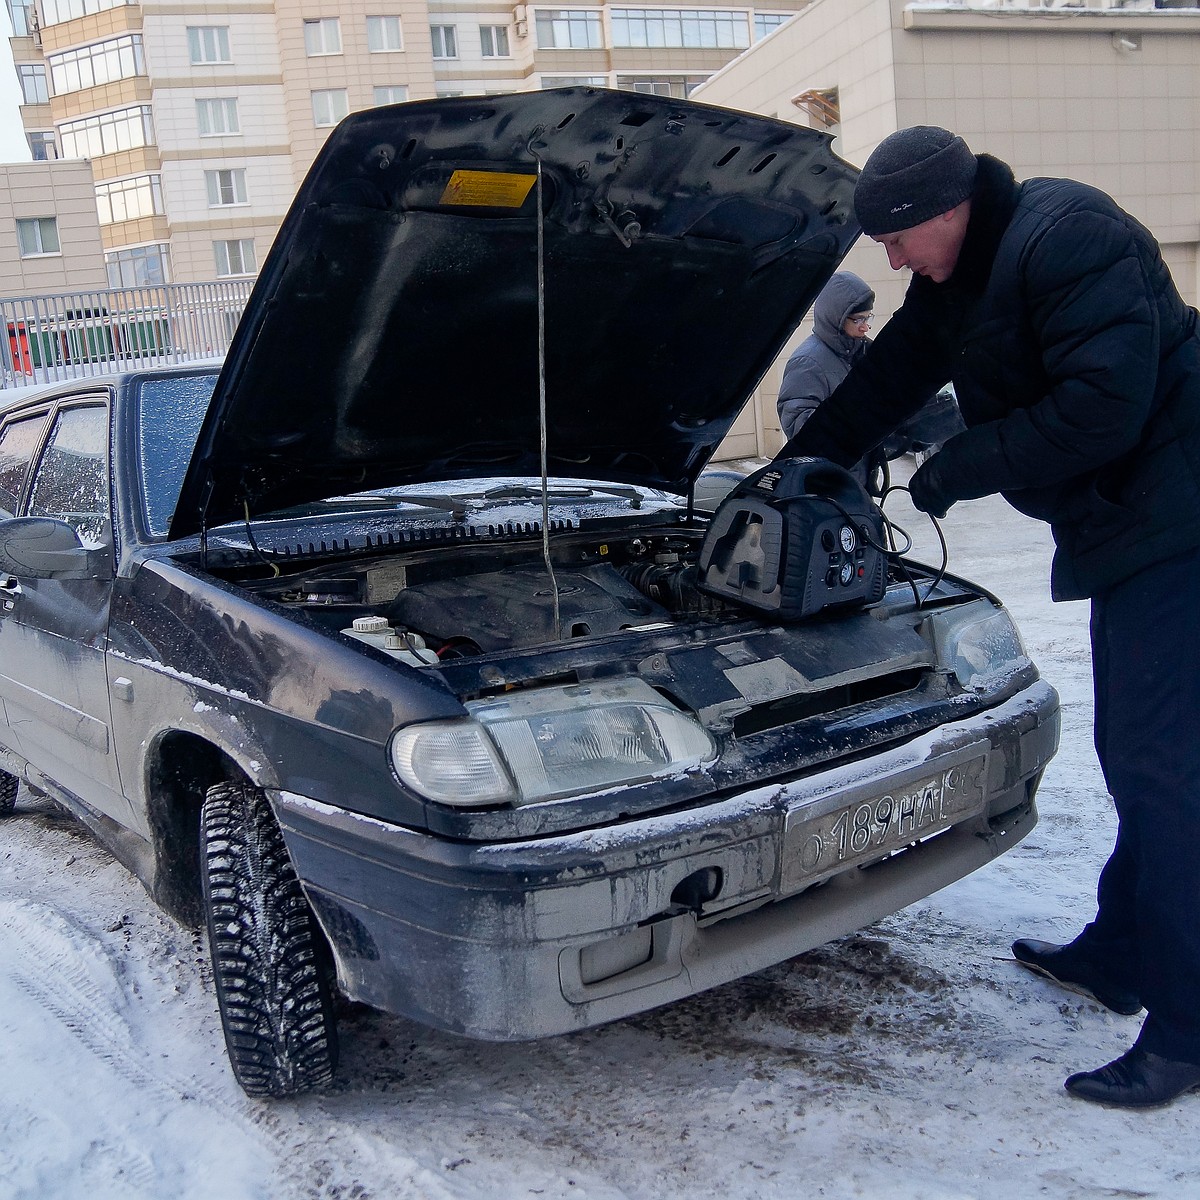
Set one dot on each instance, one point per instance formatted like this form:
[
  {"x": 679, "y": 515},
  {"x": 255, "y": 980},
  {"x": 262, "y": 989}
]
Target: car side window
[
  {"x": 18, "y": 444},
  {"x": 70, "y": 482}
]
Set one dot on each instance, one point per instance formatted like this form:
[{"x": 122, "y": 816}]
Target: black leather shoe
[
  {"x": 1069, "y": 968},
  {"x": 1138, "y": 1079}
]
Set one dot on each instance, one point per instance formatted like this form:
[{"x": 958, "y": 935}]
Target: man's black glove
[{"x": 930, "y": 489}]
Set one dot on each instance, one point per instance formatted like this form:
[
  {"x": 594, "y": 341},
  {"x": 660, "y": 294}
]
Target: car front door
[
  {"x": 20, "y": 439},
  {"x": 53, "y": 625}
]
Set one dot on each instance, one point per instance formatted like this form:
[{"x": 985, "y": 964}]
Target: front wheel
[
  {"x": 8, "y": 793},
  {"x": 276, "y": 1007}
]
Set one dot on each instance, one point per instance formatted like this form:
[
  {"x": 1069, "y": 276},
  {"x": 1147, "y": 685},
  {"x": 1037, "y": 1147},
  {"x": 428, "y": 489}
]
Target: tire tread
[
  {"x": 8, "y": 793},
  {"x": 275, "y": 1003}
]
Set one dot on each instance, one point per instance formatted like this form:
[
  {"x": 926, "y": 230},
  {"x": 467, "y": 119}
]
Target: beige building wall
[
  {"x": 289, "y": 94},
  {"x": 1107, "y": 95},
  {"x": 471, "y": 72},
  {"x": 1111, "y": 97},
  {"x": 354, "y": 71},
  {"x": 61, "y": 191},
  {"x": 258, "y": 151},
  {"x": 613, "y": 66}
]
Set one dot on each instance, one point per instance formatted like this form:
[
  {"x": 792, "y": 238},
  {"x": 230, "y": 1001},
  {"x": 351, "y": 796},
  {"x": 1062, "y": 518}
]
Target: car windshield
[{"x": 170, "y": 412}]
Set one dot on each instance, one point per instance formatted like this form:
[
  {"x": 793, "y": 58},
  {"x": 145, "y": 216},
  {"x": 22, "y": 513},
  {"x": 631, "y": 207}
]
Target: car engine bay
[{"x": 489, "y": 601}]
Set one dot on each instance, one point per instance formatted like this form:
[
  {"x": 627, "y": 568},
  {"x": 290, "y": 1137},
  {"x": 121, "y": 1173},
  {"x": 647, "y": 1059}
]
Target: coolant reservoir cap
[{"x": 370, "y": 624}]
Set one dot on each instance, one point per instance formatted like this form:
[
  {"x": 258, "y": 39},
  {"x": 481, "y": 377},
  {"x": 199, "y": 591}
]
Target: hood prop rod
[{"x": 542, "y": 435}]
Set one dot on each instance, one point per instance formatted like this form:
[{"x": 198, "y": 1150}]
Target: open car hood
[{"x": 393, "y": 334}]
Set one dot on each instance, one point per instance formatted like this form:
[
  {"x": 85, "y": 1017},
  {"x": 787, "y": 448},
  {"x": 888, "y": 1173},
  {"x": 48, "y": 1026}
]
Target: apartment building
[
  {"x": 1105, "y": 92},
  {"x": 49, "y": 235},
  {"x": 200, "y": 120}
]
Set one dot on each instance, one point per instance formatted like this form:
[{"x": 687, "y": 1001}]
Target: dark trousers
[{"x": 1146, "y": 672}]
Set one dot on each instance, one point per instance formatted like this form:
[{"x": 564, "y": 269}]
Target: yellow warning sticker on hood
[{"x": 488, "y": 189}]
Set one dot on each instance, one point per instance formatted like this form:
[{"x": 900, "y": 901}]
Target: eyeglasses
[{"x": 861, "y": 320}]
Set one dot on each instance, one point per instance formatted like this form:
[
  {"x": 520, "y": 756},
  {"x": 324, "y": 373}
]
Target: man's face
[
  {"x": 931, "y": 248},
  {"x": 858, "y": 325}
]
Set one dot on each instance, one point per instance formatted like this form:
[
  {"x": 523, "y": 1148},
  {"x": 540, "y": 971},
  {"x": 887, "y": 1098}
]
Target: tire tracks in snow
[
  {"x": 53, "y": 965},
  {"x": 65, "y": 969}
]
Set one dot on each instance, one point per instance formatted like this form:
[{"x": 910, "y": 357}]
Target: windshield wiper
[
  {"x": 455, "y": 505},
  {"x": 523, "y": 491}
]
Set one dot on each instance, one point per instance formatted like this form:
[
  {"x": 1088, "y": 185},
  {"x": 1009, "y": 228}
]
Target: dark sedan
[{"x": 382, "y": 648}]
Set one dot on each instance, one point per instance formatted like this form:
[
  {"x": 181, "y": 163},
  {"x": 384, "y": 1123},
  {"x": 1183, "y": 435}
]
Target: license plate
[{"x": 821, "y": 838}]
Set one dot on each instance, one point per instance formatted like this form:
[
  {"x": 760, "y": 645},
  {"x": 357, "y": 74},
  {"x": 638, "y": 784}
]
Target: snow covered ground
[{"x": 910, "y": 1060}]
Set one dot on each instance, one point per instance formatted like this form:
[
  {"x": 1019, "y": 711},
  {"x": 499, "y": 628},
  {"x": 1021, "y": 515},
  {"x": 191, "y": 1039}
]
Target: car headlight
[
  {"x": 547, "y": 743},
  {"x": 979, "y": 643}
]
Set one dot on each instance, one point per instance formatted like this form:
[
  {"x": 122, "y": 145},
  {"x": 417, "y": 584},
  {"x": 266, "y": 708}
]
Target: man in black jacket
[{"x": 1077, "y": 369}]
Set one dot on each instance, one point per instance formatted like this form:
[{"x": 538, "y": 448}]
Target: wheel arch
[{"x": 179, "y": 770}]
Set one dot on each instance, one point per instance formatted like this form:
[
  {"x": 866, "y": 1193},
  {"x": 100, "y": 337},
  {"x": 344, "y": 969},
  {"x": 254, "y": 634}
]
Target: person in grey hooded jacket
[{"x": 841, "y": 322}]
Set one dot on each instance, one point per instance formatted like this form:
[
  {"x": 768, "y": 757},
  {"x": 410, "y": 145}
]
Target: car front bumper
[{"x": 527, "y": 939}]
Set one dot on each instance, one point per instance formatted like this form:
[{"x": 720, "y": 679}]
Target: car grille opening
[{"x": 814, "y": 704}]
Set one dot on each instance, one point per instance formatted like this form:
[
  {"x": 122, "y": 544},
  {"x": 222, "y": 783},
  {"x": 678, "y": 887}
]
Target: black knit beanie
[{"x": 912, "y": 176}]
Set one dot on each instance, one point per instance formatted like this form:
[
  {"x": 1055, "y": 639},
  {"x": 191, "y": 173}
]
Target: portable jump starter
[{"x": 796, "y": 537}]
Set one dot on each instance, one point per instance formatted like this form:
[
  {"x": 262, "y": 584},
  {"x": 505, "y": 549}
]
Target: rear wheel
[
  {"x": 8, "y": 793},
  {"x": 267, "y": 951}
]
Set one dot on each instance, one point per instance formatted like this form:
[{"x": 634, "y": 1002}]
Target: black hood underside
[{"x": 646, "y": 257}]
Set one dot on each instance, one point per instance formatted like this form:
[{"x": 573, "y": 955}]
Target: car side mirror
[{"x": 45, "y": 548}]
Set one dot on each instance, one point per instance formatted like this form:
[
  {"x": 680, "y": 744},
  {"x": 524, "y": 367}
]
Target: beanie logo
[{"x": 899, "y": 208}]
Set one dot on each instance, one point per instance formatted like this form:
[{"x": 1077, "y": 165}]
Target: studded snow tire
[
  {"x": 276, "y": 1007},
  {"x": 8, "y": 793}
]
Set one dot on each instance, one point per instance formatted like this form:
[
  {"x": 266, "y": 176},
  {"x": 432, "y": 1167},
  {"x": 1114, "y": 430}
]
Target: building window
[
  {"x": 568, "y": 29},
  {"x": 128, "y": 199},
  {"x": 42, "y": 146},
  {"x": 22, "y": 18},
  {"x": 765, "y": 22},
  {"x": 118, "y": 58},
  {"x": 557, "y": 81},
  {"x": 37, "y": 235},
  {"x": 493, "y": 39},
  {"x": 234, "y": 257},
  {"x": 139, "y": 266},
  {"x": 383, "y": 35},
  {"x": 679, "y": 87},
  {"x": 445, "y": 44},
  {"x": 125, "y": 129},
  {"x": 693, "y": 29},
  {"x": 208, "y": 44},
  {"x": 34, "y": 89},
  {"x": 54, "y": 12},
  {"x": 396, "y": 93},
  {"x": 323, "y": 36},
  {"x": 214, "y": 118},
  {"x": 329, "y": 106},
  {"x": 225, "y": 187}
]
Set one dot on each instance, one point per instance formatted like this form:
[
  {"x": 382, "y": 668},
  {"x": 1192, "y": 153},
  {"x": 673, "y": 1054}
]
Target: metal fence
[{"x": 73, "y": 334}]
